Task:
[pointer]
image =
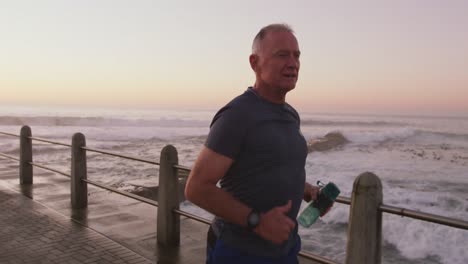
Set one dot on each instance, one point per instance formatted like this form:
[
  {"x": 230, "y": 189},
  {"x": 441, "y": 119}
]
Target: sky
[{"x": 400, "y": 56}]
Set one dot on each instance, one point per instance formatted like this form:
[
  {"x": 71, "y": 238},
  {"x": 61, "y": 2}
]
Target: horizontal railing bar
[
  {"x": 181, "y": 167},
  {"x": 343, "y": 200},
  {"x": 425, "y": 216},
  {"x": 49, "y": 169},
  {"x": 192, "y": 216},
  {"x": 8, "y": 156},
  {"x": 50, "y": 141},
  {"x": 314, "y": 257},
  {"x": 120, "y": 156},
  {"x": 9, "y": 134},
  {"x": 124, "y": 193},
  {"x": 415, "y": 214}
]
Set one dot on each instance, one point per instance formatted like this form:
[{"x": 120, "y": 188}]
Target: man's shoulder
[
  {"x": 289, "y": 108},
  {"x": 248, "y": 98},
  {"x": 239, "y": 107}
]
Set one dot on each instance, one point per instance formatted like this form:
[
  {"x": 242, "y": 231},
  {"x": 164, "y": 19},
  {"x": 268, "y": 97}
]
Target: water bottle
[{"x": 325, "y": 199}]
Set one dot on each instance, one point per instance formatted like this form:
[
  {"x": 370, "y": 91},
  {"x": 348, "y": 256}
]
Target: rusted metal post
[
  {"x": 168, "y": 223},
  {"x": 25, "y": 167},
  {"x": 79, "y": 188},
  {"x": 365, "y": 221}
]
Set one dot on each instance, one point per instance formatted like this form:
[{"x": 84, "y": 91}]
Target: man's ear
[{"x": 253, "y": 59}]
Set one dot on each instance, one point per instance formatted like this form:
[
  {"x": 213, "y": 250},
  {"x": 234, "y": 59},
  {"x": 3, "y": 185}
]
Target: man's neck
[{"x": 269, "y": 93}]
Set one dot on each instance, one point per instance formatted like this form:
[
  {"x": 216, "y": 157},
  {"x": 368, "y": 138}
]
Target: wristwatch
[{"x": 253, "y": 219}]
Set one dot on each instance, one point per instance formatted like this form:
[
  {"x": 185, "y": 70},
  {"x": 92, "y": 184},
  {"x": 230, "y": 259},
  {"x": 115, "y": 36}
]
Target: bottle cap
[{"x": 331, "y": 191}]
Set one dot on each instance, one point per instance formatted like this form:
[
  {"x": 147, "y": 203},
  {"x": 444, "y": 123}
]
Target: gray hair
[{"x": 263, "y": 32}]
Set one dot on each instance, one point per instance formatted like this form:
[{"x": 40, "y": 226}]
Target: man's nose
[{"x": 293, "y": 62}]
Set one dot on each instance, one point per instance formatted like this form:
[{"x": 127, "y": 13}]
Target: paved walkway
[
  {"x": 38, "y": 229},
  {"x": 33, "y": 233}
]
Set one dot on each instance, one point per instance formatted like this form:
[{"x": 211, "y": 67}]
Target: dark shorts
[{"x": 220, "y": 253}]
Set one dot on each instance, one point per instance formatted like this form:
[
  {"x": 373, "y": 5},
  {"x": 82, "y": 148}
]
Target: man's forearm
[{"x": 218, "y": 202}]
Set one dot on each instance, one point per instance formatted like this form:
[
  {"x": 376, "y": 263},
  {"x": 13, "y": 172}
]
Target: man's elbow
[{"x": 196, "y": 191}]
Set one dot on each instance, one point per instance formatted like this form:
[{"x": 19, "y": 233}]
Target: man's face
[{"x": 278, "y": 61}]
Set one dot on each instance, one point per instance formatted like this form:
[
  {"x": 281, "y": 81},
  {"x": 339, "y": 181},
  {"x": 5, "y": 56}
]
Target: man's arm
[{"x": 201, "y": 189}]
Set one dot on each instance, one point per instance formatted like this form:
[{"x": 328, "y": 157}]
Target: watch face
[{"x": 254, "y": 219}]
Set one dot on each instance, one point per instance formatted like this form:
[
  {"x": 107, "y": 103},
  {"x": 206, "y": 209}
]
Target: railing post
[
  {"x": 365, "y": 221},
  {"x": 79, "y": 188},
  {"x": 25, "y": 168},
  {"x": 168, "y": 223}
]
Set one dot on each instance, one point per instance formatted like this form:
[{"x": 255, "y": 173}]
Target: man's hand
[
  {"x": 275, "y": 225},
  {"x": 310, "y": 192}
]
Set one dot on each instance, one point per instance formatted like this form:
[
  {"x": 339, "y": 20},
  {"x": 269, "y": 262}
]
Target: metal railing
[
  {"x": 169, "y": 164},
  {"x": 50, "y": 141},
  {"x": 9, "y": 134},
  {"x": 442, "y": 220},
  {"x": 124, "y": 193},
  {"x": 120, "y": 156},
  {"x": 9, "y": 157},
  {"x": 49, "y": 169}
]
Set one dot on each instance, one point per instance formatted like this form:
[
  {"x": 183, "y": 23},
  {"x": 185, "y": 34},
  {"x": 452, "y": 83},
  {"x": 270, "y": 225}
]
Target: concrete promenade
[
  {"x": 127, "y": 222},
  {"x": 33, "y": 233},
  {"x": 36, "y": 225}
]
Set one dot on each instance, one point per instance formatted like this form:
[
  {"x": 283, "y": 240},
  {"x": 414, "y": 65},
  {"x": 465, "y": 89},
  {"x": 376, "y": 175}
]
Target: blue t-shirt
[{"x": 269, "y": 154}]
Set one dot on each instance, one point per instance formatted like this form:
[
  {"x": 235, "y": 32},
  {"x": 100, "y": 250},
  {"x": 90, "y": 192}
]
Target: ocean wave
[
  {"x": 457, "y": 136},
  {"x": 407, "y": 134},
  {"x": 314, "y": 122},
  {"x": 98, "y": 122},
  {"x": 419, "y": 241},
  {"x": 10, "y": 151}
]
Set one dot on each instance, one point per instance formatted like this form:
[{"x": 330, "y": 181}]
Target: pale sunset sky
[{"x": 400, "y": 56}]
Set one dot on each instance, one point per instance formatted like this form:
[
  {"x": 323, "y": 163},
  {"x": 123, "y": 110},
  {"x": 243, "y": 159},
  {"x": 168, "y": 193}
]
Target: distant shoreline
[{"x": 59, "y": 110}]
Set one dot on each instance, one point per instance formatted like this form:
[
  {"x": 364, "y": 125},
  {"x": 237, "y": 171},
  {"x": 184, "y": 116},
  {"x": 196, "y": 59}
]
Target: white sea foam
[{"x": 416, "y": 239}]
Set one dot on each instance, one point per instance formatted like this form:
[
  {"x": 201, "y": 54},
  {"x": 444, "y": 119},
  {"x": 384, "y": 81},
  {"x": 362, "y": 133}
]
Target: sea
[{"x": 422, "y": 162}]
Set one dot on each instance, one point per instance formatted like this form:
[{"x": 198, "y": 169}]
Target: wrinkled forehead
[{"x": 279, "y": 40}]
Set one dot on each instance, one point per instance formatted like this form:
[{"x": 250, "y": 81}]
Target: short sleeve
[{"x": 227, "y": 132}]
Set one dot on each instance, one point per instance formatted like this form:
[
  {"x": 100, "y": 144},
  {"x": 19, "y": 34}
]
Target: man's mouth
[{"x": 290, "y": 75}]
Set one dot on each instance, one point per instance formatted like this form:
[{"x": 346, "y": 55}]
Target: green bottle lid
[{"x": 331, "y": 191}]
